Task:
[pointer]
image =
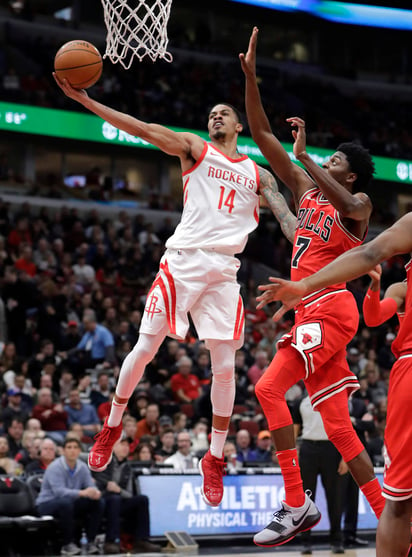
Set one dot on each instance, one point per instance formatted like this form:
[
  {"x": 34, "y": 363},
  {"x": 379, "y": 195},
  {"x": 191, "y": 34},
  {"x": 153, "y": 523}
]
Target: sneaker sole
[
  {"x": 100, "y": 468},
  {"x": 272, "y": 544},
  {"x": 205, "y": 499}
]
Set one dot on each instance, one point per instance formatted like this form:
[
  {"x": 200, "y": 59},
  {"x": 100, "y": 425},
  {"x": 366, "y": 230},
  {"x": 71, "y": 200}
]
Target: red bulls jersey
[
  {"x": 320, "y": 236},
  {"x": 403, "y": 342}
]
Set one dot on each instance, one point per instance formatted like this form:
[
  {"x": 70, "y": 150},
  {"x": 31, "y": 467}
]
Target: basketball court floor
[{"x": 272, "y": 552}]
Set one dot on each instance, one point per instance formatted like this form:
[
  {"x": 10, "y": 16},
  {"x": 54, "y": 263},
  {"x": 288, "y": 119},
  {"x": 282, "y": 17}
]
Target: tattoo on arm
[{"x": 270, "y": 191}]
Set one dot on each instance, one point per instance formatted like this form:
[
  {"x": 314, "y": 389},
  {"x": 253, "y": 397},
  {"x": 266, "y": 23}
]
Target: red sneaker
[
  {"x": 212, "y": 469},
  {"x": 100, "y": 454}
]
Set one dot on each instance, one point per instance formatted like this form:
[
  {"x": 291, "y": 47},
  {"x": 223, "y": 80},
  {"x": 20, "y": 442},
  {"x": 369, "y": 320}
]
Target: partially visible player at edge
[
  {"x": 393, "y": 534},
  {"x": 331, "y": 219},
  {"x": 198, "y": 271}
]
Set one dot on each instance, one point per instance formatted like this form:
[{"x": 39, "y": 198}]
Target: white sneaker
[
  {"x": 70, "y": 549},
  {"x": 287, "y": 522}
]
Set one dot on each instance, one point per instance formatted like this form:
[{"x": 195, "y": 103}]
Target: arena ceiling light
[{"x": 343, "y": 12}]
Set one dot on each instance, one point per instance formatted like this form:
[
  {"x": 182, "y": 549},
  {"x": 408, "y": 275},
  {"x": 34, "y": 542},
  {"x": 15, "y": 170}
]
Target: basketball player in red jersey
[
  {"x": 330, "y": 220},
  {"x": 198, "y": 271},
  {"x": 377, "y": 311},
  {"x": 393, "y": 535}
]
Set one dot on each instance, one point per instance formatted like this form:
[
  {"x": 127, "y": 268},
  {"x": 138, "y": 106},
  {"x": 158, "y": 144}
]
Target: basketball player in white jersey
[{"x": 198, "y": 271}]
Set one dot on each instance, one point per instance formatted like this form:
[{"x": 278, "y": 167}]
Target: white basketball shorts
[{"x": 202, "y": 282}]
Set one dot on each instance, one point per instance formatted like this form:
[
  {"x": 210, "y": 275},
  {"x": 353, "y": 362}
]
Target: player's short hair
[
  {"x": 233, "y": 108},
  {"x": 360, "y": 162}
]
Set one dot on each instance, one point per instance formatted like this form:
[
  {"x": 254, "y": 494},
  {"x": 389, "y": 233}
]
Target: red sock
[
  {"x": 373, "y": 493},
  {"x": 289, "y": 464}
]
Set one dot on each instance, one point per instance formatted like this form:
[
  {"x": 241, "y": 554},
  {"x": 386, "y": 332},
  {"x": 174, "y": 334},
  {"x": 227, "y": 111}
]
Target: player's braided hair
[{"x": 360, "y": 162}]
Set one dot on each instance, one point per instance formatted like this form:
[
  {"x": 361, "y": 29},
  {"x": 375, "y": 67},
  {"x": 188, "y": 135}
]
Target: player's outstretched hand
[
  {"x": 248, "y": 60},
  {"x": 78, "y": 95},
  {"x": 286, "y": 291},
  {"x": 299, "y": 135}
]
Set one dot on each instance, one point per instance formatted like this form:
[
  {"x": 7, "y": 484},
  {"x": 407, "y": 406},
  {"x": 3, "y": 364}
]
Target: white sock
[
  {"x": 217, "y": 442},
  {"x": 116, "y": 414}
]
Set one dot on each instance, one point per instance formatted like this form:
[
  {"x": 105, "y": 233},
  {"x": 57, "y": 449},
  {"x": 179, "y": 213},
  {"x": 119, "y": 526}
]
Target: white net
[{"x": 136, "y": 28}]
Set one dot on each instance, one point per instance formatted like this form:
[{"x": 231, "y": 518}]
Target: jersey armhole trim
[{"x": 199, "y": 160}]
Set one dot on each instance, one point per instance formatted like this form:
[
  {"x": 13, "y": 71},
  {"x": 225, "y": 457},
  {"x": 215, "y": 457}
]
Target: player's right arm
[
  {"x": 349, "y": 265},
  {"x": 187, "y": 146},
  {"x": 291, "y": 174},
  {"x": 377, "y": 311}
]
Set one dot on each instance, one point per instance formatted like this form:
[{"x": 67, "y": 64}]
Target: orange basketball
[{"x": 80, "y": 63}]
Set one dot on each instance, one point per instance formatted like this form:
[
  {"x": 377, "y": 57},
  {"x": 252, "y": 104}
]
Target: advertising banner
[{"x": 248, "y": 504}]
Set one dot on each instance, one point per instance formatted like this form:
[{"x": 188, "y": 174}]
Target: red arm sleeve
[{"x": 376, "y": 311}]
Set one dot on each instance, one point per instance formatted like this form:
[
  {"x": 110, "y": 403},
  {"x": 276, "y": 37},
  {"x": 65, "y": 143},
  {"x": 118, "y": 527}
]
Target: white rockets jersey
[{"x": 220, "y": 203}]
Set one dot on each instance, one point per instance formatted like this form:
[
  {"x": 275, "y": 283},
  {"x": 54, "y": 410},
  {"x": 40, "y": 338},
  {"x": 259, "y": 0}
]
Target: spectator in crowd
[
  {"x": 263, "y": 448},
  {"x": 82, "y": 413},
  {"x": 259, "y": 367},
  {"x": 53, "y": 417},
  {"x": 14, "y": 408},
  {"x": 7, "y": 464},
  {"x": 103, "y": 410},
  {"x": 184, "y": 384},
  {"x": 48, "y": 451},
  {"x": 15, "y": 436},
  {"x": 166, "y": 445},
  {"x": 179, "y": 422},
  {"x": 144, "y": 453},
  {"x": 230, "y": 456},
  {"x": 66, "y": 384},
  {"x": 84, "y": 274},
  {"x": 24, "y": 262},
  {"x": 68, "y": 492},
  {"x": 95, "y": 347},
  {"x": 30, "y": 448},
  {"x": 149, "y": 425},
  {"x": 71, "y": 336},
  {"x": 183, "y": 458},
  {"x": 39, "y": 362},
  {"x": 386, "y": 358},
  {"x": 244, "y": 451},
  {"x": 101, "y": 391},
  {"x": 200, "y": 443},
  {"x": 33, "y": 425},
  {"x": 126, "y": 509}
]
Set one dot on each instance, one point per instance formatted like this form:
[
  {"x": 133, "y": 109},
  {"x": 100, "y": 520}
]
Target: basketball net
[{"x": 136, "y": 28}]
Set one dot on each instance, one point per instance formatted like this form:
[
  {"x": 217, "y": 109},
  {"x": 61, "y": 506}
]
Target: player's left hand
[
  {"x": 299, "y": 135},
  {"x": 78, "y": 95},
  {"x": 286, "y": 291},
  {"x": 248, "y": 60}
]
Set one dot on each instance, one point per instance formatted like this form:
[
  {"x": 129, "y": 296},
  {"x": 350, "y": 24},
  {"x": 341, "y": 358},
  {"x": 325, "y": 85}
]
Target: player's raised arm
[
  {"x": 355, "y": 206},
  {"x": 270, "y": 191},
  {"x": 259, "y": 124},
  {"x": 352, "y": 264},
  {"x": 183, "y": 145}
]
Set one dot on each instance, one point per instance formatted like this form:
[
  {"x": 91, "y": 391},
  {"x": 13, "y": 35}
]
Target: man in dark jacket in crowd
[{"x": 124, "y": 506}]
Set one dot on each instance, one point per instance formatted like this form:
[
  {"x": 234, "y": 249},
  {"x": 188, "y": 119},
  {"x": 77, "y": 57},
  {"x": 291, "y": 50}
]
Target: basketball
[{"x": 79, "y": 62}]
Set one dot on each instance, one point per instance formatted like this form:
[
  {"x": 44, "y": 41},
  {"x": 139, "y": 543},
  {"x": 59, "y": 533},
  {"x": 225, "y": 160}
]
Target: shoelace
[
  {"x": 278, "y": 516},
  {"x": 102, "y": 435},
  {"x": 218, "y": 469}
]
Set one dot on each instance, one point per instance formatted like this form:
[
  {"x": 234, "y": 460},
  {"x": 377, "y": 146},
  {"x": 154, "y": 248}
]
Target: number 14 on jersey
[{"x": 226, "y": 199}]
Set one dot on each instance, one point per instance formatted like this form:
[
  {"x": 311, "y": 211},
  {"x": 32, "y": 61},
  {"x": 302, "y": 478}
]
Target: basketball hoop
[{"x": 136, "y": 28}]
